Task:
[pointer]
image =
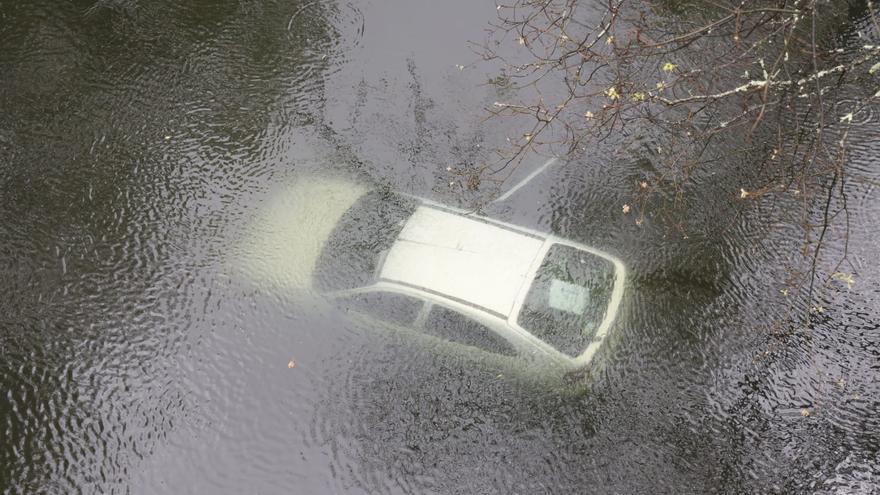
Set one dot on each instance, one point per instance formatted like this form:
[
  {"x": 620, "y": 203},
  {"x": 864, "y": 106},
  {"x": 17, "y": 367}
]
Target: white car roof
[{"x": 462, "y": 258}]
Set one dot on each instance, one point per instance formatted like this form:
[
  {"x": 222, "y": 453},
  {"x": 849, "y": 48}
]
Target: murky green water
[{"x": 138, "y": 141}]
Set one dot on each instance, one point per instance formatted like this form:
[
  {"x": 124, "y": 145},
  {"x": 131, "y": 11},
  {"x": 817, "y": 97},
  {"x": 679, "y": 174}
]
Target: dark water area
[{"x": 138, "y": 141}]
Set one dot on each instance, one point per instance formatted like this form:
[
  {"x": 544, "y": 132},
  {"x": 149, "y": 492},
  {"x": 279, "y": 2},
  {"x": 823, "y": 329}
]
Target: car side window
[
  {"x": 455, "y": 327},
  {"x": 387, "y": 306}
]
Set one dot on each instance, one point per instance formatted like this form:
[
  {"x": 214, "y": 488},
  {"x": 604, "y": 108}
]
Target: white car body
[{"x": 481, "y": 268}]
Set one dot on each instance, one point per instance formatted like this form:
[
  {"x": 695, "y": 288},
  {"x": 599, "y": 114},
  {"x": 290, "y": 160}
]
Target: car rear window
[
  {"x": 568, "y": 298},
  {"x": 355, "y": 249}
]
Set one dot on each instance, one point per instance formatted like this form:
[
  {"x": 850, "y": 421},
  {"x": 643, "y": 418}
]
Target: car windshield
[
  {"x": 355, "y": 249},
  {"x": 568, "y": 298}
]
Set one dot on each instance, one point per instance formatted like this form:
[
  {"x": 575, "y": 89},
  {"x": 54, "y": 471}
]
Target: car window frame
[
  {"x": 611, "y": 312},
  {"x": 524, "y": 343},
  {"x": 529, "y": 347},
  {"x": 595, "y": 324},
  {"x": 491, "y": 324},
  {"x": 373, "y": 289}
]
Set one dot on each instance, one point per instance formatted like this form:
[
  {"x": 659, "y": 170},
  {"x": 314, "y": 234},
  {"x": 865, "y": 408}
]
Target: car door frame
[
  {"x": 338, "y": 295},
  {"x": 528, "y": 347}
]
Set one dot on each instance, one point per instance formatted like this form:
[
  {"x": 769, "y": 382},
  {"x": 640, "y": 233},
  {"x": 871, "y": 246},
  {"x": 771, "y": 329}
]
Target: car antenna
[{"x": 527, "y": 179}]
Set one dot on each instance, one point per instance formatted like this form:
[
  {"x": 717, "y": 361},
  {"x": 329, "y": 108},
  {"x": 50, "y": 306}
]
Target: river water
[{"x": 139, "y": 140}]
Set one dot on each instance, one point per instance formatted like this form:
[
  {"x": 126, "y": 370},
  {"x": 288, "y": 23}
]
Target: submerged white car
[{"x": 408, "y": 263}]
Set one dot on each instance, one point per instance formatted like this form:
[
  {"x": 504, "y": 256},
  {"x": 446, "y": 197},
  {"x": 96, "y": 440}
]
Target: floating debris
[{"x": 847, "y": 278}]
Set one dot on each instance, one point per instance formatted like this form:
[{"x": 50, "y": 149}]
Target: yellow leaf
[
  {"x": 847, "y": 278},
  {"x": 669, "y": 67},
  {"x": 612, "y": 93}
]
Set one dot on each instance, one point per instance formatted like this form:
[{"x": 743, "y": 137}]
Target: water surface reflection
[{"x": 138, "y": 141}]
